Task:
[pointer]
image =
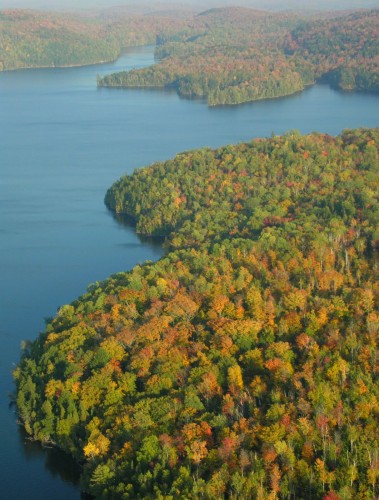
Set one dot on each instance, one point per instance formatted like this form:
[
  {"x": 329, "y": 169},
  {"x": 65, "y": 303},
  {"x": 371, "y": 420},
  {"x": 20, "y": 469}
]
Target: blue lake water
[{"x": 63, "y": 142}]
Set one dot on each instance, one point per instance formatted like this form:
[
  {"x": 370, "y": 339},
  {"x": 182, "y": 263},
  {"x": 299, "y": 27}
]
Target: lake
[{"x": 63, "y": 142}]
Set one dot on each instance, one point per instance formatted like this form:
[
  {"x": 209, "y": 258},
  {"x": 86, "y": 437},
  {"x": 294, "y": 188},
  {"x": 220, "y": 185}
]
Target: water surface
[{"x": 62, "y": 143}]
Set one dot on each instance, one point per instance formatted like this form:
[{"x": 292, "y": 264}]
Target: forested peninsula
[
  {"x": 242, "y": 364},
  {"x": 234, "y": 55}
]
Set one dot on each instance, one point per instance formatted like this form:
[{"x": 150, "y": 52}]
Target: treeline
[
  {"x": 243, "y": 364},
  {"x": 30, "y": 39},
  {"x": 234, "y": 55}
]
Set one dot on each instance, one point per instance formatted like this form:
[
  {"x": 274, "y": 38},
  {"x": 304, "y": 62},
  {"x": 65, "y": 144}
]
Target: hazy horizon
[{"x": 196, "y": 4}]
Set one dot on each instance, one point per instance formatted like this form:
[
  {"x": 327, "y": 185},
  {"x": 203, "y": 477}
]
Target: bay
[{"x": 63, "y": 142}]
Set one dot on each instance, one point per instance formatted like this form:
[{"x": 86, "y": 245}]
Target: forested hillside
[
  {"x": 49, "y": 39},
  {"x": 243, "y": 364},
  {"x": 234, "y": 55}
]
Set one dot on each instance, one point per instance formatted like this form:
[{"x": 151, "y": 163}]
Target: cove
[{"x": 63, "y": 142}]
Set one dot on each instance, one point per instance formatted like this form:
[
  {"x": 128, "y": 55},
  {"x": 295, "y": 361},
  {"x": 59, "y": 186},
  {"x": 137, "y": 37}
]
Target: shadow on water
[
  {"x": 154, "y": 242},
  {"x": 58, "y": 463},
  {"x": 147, "y": 90}
]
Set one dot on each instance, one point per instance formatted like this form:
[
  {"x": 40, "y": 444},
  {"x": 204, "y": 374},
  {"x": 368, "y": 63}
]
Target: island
[{"x": 243, "y": 363}]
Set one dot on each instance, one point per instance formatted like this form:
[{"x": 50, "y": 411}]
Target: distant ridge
[{"x": 237, "y": 12}]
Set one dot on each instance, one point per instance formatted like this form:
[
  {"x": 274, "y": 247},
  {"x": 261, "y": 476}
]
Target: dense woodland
[
  {"x": 234, "y": 55},
  {"x": 244, "y": 363},
  {"x": 49, "y": 39}
]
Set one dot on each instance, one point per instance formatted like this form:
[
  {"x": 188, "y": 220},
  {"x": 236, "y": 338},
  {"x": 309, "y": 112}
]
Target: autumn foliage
[{"x": 243, "y": 364}]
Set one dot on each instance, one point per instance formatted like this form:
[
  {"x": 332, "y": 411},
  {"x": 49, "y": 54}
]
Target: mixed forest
[
  {"x": 244, "y": 363},
  {"x": 234, "y": 55}
]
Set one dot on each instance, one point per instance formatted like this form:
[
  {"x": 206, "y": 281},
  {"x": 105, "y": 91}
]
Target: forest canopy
[{"x": 243, "y": 364}]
